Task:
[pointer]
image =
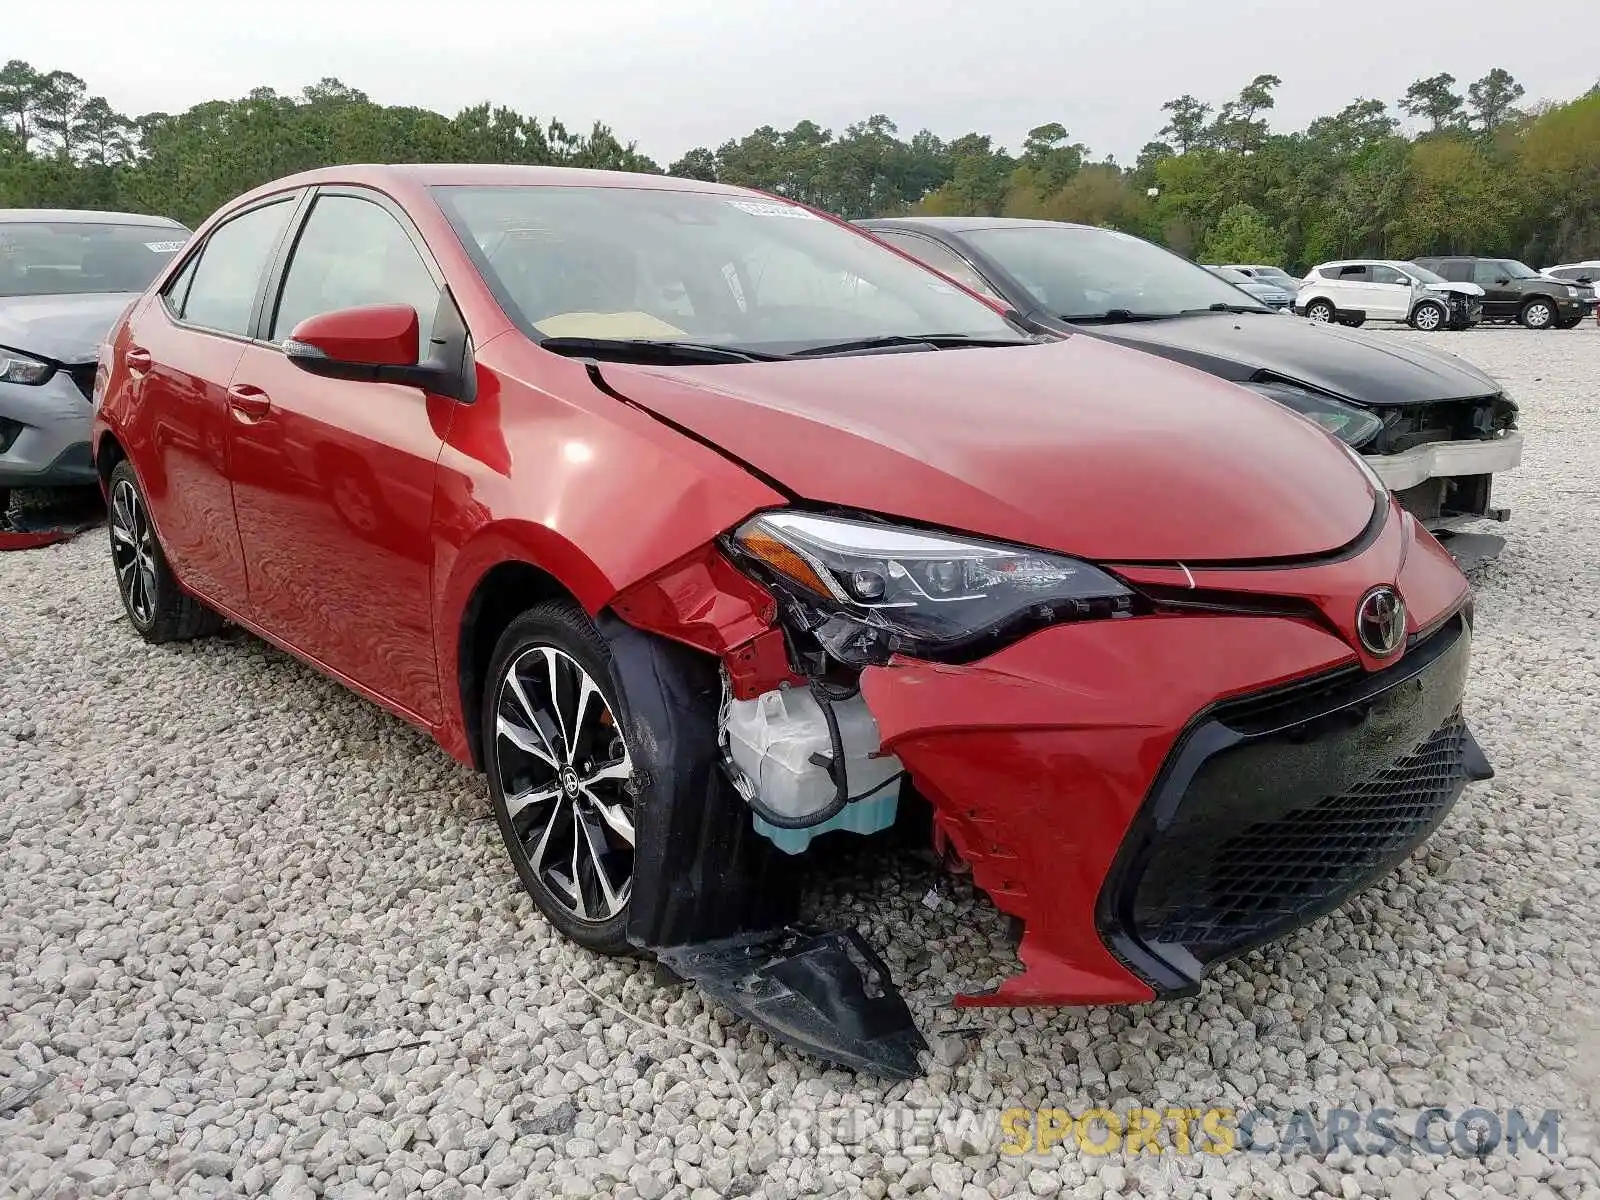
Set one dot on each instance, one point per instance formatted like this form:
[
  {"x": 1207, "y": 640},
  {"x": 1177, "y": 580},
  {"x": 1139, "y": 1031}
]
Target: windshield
[
  {"x": 723, "y": 270},
  {"x": 1422, "y": 274},
  {"x": 1077, "y": 272},
  {"x": 1516, "y": 270},
  {"x": 60, "y": 258},
  {"x": 1275, "y": 275},
  {"x": 1232, "y": 276}
]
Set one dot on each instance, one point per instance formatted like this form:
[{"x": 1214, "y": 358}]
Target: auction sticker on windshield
[
  {"x": 164, "y": 247},
  {"x": 757, "y": 209}
]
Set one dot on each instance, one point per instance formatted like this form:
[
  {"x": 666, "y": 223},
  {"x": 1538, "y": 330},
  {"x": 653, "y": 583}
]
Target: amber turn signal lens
[{"x": 762, "y": 545}]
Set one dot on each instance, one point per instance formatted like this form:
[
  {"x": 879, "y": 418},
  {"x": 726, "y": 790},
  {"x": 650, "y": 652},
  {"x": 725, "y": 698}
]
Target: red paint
[
  {"x": 384, "y": 335},
  {"x": 351, "y": 522}
]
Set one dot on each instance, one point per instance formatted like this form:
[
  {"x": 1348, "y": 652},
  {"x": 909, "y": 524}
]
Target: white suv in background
[{"x": 1354, "y": 291}]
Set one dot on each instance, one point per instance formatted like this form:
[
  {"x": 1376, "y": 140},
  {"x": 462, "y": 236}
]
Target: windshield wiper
[
  {"x": 1116, "y": 316},
  {"x": 650, "y": 350},
  {"x": 938, "y": 341},
  {"x": 1226, "y": 308}
]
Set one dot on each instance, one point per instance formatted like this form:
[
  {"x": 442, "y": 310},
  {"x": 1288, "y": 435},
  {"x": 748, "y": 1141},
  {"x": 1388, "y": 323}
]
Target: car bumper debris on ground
[{"x": 257, "y": 937}]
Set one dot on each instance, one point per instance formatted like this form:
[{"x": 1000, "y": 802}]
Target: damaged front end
[{"x": 740, "y": 669}]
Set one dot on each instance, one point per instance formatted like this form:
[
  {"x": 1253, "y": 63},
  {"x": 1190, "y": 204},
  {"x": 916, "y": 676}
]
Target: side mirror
[{"x": 377, "y": 343}]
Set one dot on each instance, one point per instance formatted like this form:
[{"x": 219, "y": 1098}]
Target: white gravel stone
[{"x": 258, "y": 937}]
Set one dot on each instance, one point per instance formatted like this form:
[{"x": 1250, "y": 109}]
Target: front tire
[
  {"x": 1428, "y": 316},
  {"x": 1319, "y": 312},
  {"x": 561, "y": 774},
  {"x": 158, "y": 608},
  {"x": 1538, "y": 314}
]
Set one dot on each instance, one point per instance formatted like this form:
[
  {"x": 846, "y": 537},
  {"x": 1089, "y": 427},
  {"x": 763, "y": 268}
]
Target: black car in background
[
  {"x": 1514, "y": 291},
  {"x": 1432, "y": 427}
]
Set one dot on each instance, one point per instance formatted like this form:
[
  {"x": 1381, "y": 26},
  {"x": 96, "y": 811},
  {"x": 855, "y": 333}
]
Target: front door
[
  {"x": 1500, "y": 295},
  {"x": 1391, "y": 294},
  {"x": 333, "y": 480},
  {"x": 181, "y": 351}
]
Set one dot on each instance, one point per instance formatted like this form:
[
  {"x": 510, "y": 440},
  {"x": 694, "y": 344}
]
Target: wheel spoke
[
  {"x": 586, "y": 690},
  {"x": 121, "y": 535},
  {"x": 621, "y": 769},
  {"x": 526, "y": 740},
  {"x": 578, "y": 839},
  {"x": 519, "y": 801},
  {"x": 594, "y": 839},
  {"x": 536, "y": 855},
  {"x": 613, "y": 815},
  {"x": 550, "y": 661}
]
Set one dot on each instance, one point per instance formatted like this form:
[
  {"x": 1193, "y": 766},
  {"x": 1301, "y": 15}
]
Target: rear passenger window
[
  {"x": 222, "y": 292},
  {"x": 1355, "y": 274}
]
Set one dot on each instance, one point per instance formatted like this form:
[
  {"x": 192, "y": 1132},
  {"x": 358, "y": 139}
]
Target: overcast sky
[{"x": 695, "y": 72}]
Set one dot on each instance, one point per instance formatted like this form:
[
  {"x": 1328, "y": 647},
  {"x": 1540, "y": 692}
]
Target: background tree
[
  {"x": 1435, "y": 101},
  {"x": 1493, "y": 99},
  {"x": 1481, "y": 176}
]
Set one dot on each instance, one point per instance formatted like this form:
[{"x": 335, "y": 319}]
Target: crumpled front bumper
[
  {"x": 1435, "y": 460},
  {"x": 1047, "y": 763},
  {"x": 44, "y": 432}
]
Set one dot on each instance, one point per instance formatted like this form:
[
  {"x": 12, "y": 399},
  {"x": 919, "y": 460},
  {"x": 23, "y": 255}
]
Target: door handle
[
  {"x": 248, "y": 404},
  {"x": 136, "y": 359}
]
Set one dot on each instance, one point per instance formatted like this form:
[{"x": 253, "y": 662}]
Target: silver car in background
[
  {"x": 1269, "y": 293},
  {"x": 65, "y": 277}
]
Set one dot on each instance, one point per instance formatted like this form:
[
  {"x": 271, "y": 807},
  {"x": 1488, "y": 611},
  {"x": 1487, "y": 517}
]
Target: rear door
[
  {"x": 182, "y": 350},
  {"x": 333, "y": 479},
  {"x": 1347, "y": 286}
]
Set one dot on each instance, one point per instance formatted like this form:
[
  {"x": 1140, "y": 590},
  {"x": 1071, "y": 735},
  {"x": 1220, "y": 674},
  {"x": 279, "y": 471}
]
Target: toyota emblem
[{"x": 1381, "y": 621}]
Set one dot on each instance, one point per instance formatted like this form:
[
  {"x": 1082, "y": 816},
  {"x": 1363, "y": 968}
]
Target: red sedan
[{"x": 704, "y": 525}]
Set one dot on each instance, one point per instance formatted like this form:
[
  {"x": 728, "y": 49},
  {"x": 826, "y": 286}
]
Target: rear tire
[
  {"x": 157, "y": 606},
  {"x": 1537, "y": 314},
  {"x": 1428, "y": 316},
  {"x": 1320, "y": 312}
]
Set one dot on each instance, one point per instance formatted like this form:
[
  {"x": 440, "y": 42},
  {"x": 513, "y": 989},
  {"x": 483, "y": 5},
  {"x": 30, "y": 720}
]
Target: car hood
[
  {"x": 1075, "y": 446},
  {"x": 1464, "y": 289},
  {"x": 68, "y": 329},
  {"x": 1354, "y": 366}
]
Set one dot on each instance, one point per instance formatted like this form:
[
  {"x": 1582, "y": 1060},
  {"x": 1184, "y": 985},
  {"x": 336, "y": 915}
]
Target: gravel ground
[{"x": 257, "y": 937}]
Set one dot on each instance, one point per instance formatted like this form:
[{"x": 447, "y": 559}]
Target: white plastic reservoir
[{"x": 771, "y": 741}]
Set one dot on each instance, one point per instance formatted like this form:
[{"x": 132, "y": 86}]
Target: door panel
[
  {"x": 185, "y": 474},
  {"x": 333, "y": 480},
  {"x": 193, "y": 337}
]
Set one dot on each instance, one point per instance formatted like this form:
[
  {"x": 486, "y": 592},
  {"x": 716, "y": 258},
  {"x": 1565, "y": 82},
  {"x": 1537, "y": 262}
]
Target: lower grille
[
  {"x": 1277, "y": 874},
  {"x": 1273, "y": 810}
]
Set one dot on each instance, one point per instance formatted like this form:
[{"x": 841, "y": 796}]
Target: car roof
[
  {"x": 495, "y": 175},
  {"x": 67, "y": 216},
  {"x": 1364, "y": 262},
  {"x": 965, "y": 224}
]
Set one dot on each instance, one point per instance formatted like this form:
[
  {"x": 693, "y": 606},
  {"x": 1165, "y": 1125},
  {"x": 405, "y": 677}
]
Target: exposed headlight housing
[
  {"x": 1351, "y": 425},
  {"x": 16, "y": 367},
  {"x": 870, "y": 590}
]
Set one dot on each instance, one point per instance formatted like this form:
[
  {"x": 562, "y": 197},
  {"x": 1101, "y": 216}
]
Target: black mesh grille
[{"x": 1277, "y": 873}]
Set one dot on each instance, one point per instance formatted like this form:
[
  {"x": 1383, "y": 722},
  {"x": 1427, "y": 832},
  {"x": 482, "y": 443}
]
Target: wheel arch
[{"x": 504, "y": 571}]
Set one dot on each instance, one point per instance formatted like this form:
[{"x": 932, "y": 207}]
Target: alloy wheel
[
  {"x": 565, "y": 771},
  {"x": 1319, "y": 314},
  {"x": 133, "y": 552}
]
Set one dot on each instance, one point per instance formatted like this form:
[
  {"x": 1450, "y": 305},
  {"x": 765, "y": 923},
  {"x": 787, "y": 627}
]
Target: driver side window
[
  {"x": 352, "y": 253},
  {"x": 1382, "y": 274}
]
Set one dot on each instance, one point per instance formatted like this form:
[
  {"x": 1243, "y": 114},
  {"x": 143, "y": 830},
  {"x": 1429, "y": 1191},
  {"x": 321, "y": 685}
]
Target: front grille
[
  {"x": 1272, "y": 810},
  {"x": 83, "y": 375},
  {"x": 1277, "y": 874}
]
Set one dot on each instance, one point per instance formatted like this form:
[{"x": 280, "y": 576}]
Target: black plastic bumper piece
[
  {"x": 1274, "y": 810},
  {"x": 715, "y": 902},
  {"x": 827, "y": 993}
]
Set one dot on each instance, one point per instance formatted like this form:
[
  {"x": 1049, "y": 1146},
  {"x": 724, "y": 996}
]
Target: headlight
[
  {"x": 872, "y": 590},
  {"x": 1351, "y": 425},
  {"x": 16, "y": 367}
]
